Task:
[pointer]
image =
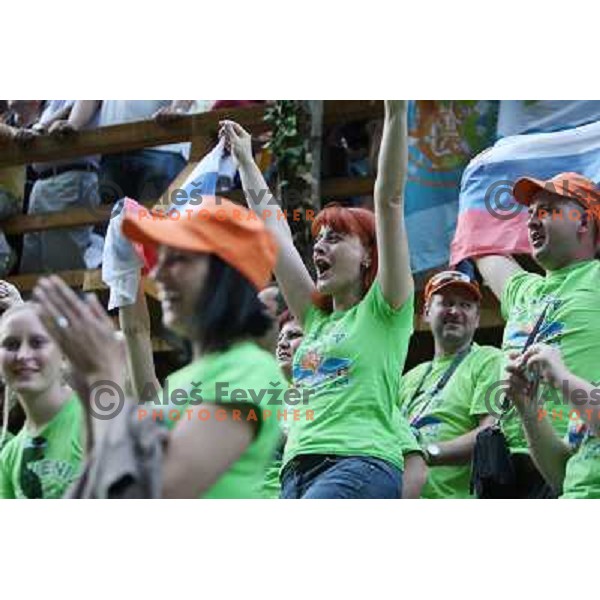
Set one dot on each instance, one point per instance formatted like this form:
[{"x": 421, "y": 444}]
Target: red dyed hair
[{"x": 349, "y": 221}]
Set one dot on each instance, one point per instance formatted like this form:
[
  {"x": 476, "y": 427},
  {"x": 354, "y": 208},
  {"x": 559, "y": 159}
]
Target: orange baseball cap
[
  {"x": 568, "y": 185},
  {"x": 455, "y": 279},
  {"x": 216, "y": 226}
]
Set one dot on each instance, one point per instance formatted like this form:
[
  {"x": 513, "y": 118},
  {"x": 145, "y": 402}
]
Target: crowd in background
[{"x": 369, "y": 429}]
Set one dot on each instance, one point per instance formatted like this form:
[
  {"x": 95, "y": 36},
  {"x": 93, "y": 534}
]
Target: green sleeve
[
  {"x": 401, "y": 317},
  {"x": 518, "y": 284},
  {"x": 6, "y": 487},
  {"x": 408, "y": 442},
  {"x": 486, "y": 375}
]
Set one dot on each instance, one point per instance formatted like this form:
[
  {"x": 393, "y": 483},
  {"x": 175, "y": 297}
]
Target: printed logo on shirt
[
  {"x": 313, "y": 368},
  {"x": 55, "y": 476},
  {"x": 522, "y": 320}
]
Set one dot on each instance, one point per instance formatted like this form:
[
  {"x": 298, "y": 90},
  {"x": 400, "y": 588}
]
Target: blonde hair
[{"x": 10, "y": 398}]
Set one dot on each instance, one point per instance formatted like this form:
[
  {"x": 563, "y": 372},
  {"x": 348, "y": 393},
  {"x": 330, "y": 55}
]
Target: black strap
[
  {"x": 506, "y": 404},
  {"x": 441, "y": 383}
]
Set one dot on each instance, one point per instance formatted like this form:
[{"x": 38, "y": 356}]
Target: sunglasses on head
[{"x": 448, "y": 276}]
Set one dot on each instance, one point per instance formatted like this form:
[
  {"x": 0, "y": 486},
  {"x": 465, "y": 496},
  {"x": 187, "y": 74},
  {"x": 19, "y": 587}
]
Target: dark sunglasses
[{"x": 29, "y": 480}]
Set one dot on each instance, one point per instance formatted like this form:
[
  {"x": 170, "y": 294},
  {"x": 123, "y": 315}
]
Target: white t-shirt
[{"x": 116, "y": 112}]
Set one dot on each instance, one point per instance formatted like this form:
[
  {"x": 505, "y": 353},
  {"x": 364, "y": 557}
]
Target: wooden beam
[
  {"x": 87, "y": 280},
  {"x": 146, "y": 134},
  {"x": 346, "y": 187},
  {"x": 128, "y": 136},
  {"x": 331, "y": 189}
]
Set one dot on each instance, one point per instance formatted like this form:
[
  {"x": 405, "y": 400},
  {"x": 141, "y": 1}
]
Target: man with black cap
[
  {"x": 445, "y": 399},
  {"x": 560, "y": 309}
]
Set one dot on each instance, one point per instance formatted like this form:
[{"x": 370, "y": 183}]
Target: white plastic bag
[
  {"x": 213, "y": 175},
  {"x": 121, "y": 265}
]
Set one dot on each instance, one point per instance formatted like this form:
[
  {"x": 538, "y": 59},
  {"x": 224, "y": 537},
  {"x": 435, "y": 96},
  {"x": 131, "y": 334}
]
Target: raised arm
[
  {"x": 292, "y": 275},
  {"x": 394, "y": 273},
  {"x": 496, "y": 270},
  {"x": 135, "y": 324}
]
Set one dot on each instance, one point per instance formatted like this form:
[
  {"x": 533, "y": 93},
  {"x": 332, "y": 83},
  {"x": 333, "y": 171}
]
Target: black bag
[{"x": 492, "y": 473}]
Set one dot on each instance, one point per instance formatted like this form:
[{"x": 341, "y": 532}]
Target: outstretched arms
[
  {"x": 292, "y": 275},
  {"x": 496, "y": 271},
  {"x": 394, "y": 273}
]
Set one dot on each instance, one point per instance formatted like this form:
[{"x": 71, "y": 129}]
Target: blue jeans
[
  {"x": 313, "y": 477},
  {"x": 60, "y": 249},
  {"x": 143, "y": 175}
]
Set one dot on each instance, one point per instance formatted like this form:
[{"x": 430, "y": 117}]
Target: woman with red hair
[{"x": 357, "y": 320}]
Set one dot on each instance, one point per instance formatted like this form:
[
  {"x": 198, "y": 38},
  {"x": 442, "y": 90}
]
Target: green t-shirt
[
  {"x": 350, "y": 361},
  {"x": 46, "y": 465},
  {"x": 582, "y": 476},
  {"x": 453, "y": 412},
  {"x": 572, "y": 323},
  {"x": 7, "y": 437},
  {"x": 247, "y": 368},
  {"x": 408, "y": 443}
]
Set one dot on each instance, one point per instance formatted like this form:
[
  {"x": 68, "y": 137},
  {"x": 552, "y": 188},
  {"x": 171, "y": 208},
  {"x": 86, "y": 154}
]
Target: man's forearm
[
  {"x": 548, "y": 451},
  {"x": 414, "y": 476},
  {"x": 458, "y": 451}
]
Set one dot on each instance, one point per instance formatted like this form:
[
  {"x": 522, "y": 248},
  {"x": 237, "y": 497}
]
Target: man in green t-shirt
[
  {"x": 560, "y": 308},
  {"x": 444, "y": 400}
]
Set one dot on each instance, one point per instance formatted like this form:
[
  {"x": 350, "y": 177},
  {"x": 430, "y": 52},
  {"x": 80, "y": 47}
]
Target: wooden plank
[
  {"x": 346, "y": 187},
  {"x": 88, "y": 280},
  {"x": 331, "y": 189},
  {"x": 129, "y": 136},
  {"x": 342, "y": 111},
  {"x": 146, "y": 134}
]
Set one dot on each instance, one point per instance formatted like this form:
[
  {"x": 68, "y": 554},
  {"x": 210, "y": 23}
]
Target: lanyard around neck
[{"x": 440, "y": 384}]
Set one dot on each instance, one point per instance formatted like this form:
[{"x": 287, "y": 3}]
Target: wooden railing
[{"x": 201, "y": 131}]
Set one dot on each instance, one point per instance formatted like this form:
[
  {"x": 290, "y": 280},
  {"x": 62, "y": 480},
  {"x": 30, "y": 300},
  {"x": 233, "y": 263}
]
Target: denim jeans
[
  {"x": 313, "y": 477},
  {"x": 142, "y": 175},
  {"x": 60, "y": 249}
]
